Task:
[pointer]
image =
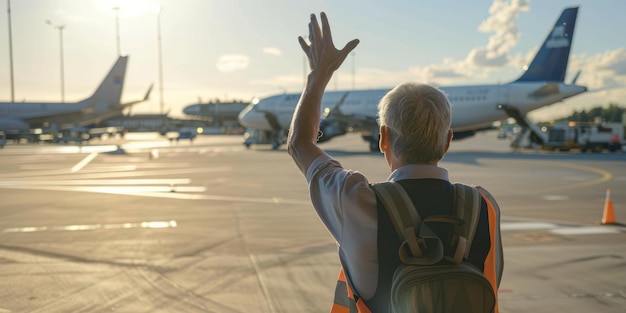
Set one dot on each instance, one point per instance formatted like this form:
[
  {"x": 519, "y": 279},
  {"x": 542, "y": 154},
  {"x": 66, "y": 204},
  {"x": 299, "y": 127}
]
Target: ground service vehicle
[{"x": 585, "y": 137}]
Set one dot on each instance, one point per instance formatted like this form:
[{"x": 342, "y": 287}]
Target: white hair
[{"x": 418, "y": 119}]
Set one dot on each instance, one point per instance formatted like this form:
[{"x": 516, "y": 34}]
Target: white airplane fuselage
[
  {"x": 25, "y": 110},
  {"x": 473, "y": 107}
]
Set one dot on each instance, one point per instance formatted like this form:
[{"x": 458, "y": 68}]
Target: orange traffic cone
[{"x": 609, "y": 216}]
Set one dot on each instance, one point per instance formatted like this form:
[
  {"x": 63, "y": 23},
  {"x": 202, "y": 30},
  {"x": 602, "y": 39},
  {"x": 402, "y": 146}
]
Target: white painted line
[
  {"x": 25, "y": 229},
  {"x": 84, "y": 162},
  {"x": 152, "y": 225},
  {"x": 587, "y": 230},
  {"x": 524, "y": 226},
  {"x": 171, "y": 192},
  {"x": 121, "y": 189},
  {"x": 171, "y": 224},
  {"x": 555, "y": 197},
  {"x": 97, "y": 182}
]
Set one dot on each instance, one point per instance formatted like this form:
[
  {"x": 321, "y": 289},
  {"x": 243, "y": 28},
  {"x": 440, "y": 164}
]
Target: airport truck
[
  {"x": 585, "y": 137},
  {"x": 253, "y": 136}
]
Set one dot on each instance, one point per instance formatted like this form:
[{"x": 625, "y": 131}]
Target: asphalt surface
[{"x": 210, "y": 226}]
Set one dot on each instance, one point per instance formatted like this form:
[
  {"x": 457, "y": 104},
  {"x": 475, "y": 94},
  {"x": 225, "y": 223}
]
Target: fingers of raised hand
[
  {"x": 303, "y": 45},
  {"x": 350, "y": 46},
  {"x": 326, "y": 29},
  {"x": 321, "y": 49}
]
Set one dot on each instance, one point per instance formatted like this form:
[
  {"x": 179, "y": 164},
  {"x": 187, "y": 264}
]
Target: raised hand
[{"x": 321, "y": 52}]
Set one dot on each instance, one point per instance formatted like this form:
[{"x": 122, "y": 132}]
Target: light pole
[
  {"x": 11, "y": 51},
  {"x": 160, "y": 58},
  {"x": 117, "y": 29},
  {"x": 353, "y": 68},
  {"x": 60, "y": 27}
]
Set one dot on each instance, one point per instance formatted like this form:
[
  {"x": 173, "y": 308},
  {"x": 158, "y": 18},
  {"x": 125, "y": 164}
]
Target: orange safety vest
[
  {"x": 344, "y": 302},
  {"x": 344, "y": 297}
]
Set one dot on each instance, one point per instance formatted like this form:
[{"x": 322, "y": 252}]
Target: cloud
[
  {"x": 440, "y": 72},
  {"x": 232, "y": 62},
  {"x": 272, "y": 51},
  {"x": 483, "y": 57},
  {"x": 501, "y": 22},
  {"x": 481, "y": 61},
  {"x": 614, "y": 61},
  {"x": 602, "y": 70}
]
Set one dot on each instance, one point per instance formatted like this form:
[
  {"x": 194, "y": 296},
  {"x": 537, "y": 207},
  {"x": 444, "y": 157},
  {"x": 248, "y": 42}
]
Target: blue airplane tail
[{"x": 550, "y": 62}]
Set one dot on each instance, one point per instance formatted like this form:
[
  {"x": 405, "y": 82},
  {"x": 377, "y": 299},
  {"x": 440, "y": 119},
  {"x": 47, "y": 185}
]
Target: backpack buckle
[{"x": 423, "y": 248}]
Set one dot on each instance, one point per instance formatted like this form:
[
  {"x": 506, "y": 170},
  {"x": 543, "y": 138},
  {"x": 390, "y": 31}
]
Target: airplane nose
[
  {"x": 193, "y": 109},
  {"x": 251, "y": 118}
]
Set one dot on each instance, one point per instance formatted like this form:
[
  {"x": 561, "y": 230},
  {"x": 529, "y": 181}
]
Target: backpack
[{"x": 427, "y": 280}]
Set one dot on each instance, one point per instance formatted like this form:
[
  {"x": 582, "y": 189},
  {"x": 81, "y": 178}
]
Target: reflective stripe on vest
[
  {"x": 344, "y": 298},
  {"x": 494, "y": 261}
]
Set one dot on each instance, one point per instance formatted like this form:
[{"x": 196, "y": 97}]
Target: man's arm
[{"x": 324, "y": 59}]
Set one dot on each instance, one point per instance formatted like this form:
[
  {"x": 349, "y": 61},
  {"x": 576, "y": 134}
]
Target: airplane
[
  {"x": 216, "y": 111},
  {"x": 474, "y": 108},
  {"x": 104, "y": 103}
]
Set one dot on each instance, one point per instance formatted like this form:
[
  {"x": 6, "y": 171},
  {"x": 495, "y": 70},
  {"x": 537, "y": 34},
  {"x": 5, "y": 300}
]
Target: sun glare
[{"x": 127, "y": 8}]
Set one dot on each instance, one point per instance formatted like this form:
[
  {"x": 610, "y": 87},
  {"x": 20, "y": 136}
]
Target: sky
[{"x": 245, "y": 49}]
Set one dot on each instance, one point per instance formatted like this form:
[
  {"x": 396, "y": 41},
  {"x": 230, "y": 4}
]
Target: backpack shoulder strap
[
  {"x": 467, "y": 208},
  {"x": 419, "y": 245}
]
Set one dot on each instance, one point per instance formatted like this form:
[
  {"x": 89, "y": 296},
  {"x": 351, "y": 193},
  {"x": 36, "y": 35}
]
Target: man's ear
[
  {"x": 383, "y": 142},
  {"x": 450, "y": 136}
]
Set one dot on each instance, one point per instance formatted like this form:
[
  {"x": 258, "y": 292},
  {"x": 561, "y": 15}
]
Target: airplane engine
[{"x": 330, "y": 129}]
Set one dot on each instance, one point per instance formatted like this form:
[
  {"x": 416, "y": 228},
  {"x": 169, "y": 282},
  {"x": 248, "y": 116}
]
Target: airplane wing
[
  {"x": 339, "y": 124},
  {"x": 89, "y": 118},
  {"x": 41, "y": 121},
  {"x": 336, "y": 123},
  {"x": 354, "y": 122},
  {"x": 129, "y": 104}
]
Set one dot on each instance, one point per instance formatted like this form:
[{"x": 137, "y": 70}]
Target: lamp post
[
  {"x": 160, "y": 59},
  {"x": 117, "y": 29},
  {"x": 11, "y": 51},
  {"x": 60, "y": 27},
  {"x": 353, "y": 68}
]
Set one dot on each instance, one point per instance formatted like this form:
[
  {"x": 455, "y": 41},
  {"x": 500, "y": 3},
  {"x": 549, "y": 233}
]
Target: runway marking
[
  {"x": 84, "y": 162},
  {"x": 586, "y": 230},
  {"x": 104, "y": 173},
  {"x": 555, "y": 197},
  {"x": 560, "y": 229},
  {"x": 537, "y": 237},
  {"x": 605, "y": 176},
  {"x": 151, "y": 225},
  {"x": 171, "y": 192},
  {"x": 527, "y": 226},
  {"x": 174, "y": 181}
]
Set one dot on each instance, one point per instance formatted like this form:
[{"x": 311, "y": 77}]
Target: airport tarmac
[{"x": 210, "y": 226}]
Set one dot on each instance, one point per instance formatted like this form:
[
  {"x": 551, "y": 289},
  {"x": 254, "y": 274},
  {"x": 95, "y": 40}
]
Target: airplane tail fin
[
  {"x": 550, "y": 62},
  {"x": 109, "y": 93}
]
